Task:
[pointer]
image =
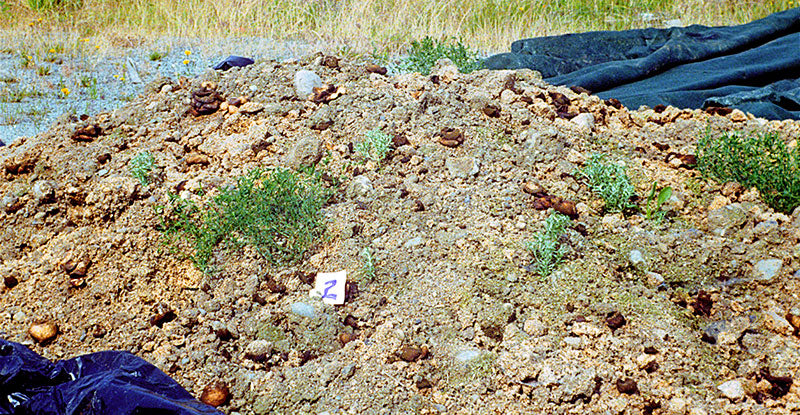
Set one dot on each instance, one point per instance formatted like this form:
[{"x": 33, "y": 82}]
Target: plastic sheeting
[
  {"x": 109, "y": 382},
  {"x": 754, "y": 67}
]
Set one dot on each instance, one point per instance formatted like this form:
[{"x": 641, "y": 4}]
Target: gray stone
[
  {"x": 251, "y": 107},
  {"x": 44, "y": 191},
  {"x": 767, "y": 269},
  {"x": 258, "y": 350},
  {"x": 727, "y": 218},
  {"x": 303, "y": 309},
  {"x": 577, "y": 386},
  {"x": 636, "y": 257},
  {"x": 467, "y": 356},
  {"x": 462, "y": 167},
  {"x": 414, "y": 242},
  {"x": 307, "y": 152},
  {"x": 305, "y": 81},
  {"x": 584, "y": 120},
  {"x": 539, "y": 145},
  {"x": 360, "y": 186},
  {"x": 732, "y": 390},
  {"x": 8, "y": 202}
]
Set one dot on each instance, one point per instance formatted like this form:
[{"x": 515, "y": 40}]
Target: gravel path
[{"x": 91, "y": 79}]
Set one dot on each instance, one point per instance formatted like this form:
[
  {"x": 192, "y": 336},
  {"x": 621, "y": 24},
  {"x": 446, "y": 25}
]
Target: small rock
[
  {"x": 414, "y": 242},
  {"x": 200, "y": 159},
  {"x": 163, "y": 313},
  {"x": 303, "y": 309},
  {"x": 43, "y": 332},
  {"x": 467, "y": 356},
  {"x": 44, "y": 191},
  {"x": 251, "y": 107},
  {"x": 627, "y": 386},
  {"x": 462, "y": 167},
  {"x": 258, "y": 350},
  {"x": 778, "y": 323},
  {"x": 10, "y": 281},
  {"x": 413, "y": 353},
  {"x": 636, "y": 257},
  {"x": 359, "y": 187},
  {"x": 767, "y": 269},
  {"x": 615, "y": 320},
  {"x": 166, "y": 89},
  {"x": 732, "y": 390},
  {"x": 216, "y": 394},
  {"x": 584, "y": 120},
  {"x": 307, "y": 152},
  {"x": 305, "y": 81}
]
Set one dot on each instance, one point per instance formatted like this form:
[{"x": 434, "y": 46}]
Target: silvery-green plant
[
  {"x": 140, "y": 167},
  {"x": 610, "y": 181},
  {"x": 546, "y": 248},
  {"x": 375, "y": 145}
]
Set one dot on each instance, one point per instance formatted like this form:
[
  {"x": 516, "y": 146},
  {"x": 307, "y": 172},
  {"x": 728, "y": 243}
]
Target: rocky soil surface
[{"x": 697, "y": 314}]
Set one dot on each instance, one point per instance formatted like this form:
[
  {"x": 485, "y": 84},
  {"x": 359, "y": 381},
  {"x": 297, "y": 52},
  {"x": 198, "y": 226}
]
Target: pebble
[
  {"x": 258, "y": 350},
  {"x": 414, "y": 242},
  {"x": 468, "y": 355},
  {"x": 303, "y": 309},
  {"x": 307, "y": 152},
  {"x": 584, "y": 120},
  {"x": 636, "y": 258},
  {"x": 305, "y": 81},
  {"x": 732, "y": 390},
  {"x": 43, "y": 332},
  {"x": 216, "y": 394},
  {"x": 462, "y": 167},
  {"x": 359, "y": 187},
  {"x": 767, "y": 269}
]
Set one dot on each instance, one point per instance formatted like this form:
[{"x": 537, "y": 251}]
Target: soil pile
[{"x": 697, "y": 313}]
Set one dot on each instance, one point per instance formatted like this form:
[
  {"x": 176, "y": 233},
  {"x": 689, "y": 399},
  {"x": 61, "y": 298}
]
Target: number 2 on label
[{"x": 328, "y": 285}]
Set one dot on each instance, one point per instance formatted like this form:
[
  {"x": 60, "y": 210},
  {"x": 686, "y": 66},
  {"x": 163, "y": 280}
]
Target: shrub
[
  {"x": 277, "y": 212},
  {"x": 375, "y": 146},
  {"x": 546, "y": 248},
  {"x": 610, "y": 181},
  {"x": 424, "y": 54},
  {"x": 763, "y": 161}
]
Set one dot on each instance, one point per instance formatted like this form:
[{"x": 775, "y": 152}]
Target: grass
[
  {"x": 610, "y": 181},
  {"x": 762, "y": 161},
  {"x": 368, "y": 268},
  {"x": 276, "y": 212},
  {"x": 424, "y": 54},
  {"x": 141, "y": 166},
  {"x": 156, "y": 55},
  {"x": 18, "y": 94},
  {"x": 374, "y": 146},
  {"x": 546, "y": 247},
  {"x": 488, "y": 25}
]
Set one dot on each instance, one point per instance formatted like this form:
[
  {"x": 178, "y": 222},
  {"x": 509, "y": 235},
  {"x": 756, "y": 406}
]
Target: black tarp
[
  {"x": 754, "y": 67},
  {"x": 110, "y": 382}
]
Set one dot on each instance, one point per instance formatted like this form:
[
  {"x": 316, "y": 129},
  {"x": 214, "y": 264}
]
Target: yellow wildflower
[
  {"x": 65, "y": 91},
  {"x": 186, "y": 61},
  {"x": 52, "y": 50},
  {"x": 187, "y": 52}
]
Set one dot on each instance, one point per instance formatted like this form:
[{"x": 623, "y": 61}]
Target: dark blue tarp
[
  {"x": 233, "y": 61},
  {"x": 109, "y": 382},
  {"x": 754, "y": 67}
]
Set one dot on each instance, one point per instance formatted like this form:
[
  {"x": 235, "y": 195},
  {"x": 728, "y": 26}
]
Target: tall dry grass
[{"x": 370, "y": 25}]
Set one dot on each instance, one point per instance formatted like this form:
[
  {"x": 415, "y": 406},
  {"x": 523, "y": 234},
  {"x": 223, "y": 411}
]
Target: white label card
[{"x": 330, "y": 286}]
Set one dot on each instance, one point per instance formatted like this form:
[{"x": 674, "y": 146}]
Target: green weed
[
  {"x": 368, "y": 267},
  {"x": 653, "y": 211},
  {"x": 375, "y": 146},
  {"x": 90, "y": 83},
  {"x": 763, "y": 161},
  {"x": 546, "y": 248},
  {"x": 276, "y": 212},
  {"x": 43, "y": 70},
  {"x": 610, "y": 182},
  {"x": 141, "y": 166},
  {"x": 156, "y": 55},
  {"x": 424, "y": 54},
  {"x": 18, "y": 94}
]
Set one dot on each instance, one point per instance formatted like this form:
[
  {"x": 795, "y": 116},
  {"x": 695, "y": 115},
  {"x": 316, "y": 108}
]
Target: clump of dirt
[{"x": 697, "y": 313}]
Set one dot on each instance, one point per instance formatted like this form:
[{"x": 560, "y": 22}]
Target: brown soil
[{"x": 642, "y": 317}]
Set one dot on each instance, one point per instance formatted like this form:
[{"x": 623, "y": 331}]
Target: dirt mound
[{"x": 697, "y": 313}]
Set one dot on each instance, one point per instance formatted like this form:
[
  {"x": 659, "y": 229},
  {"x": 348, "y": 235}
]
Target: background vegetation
[{"x": 367, "y": 25}]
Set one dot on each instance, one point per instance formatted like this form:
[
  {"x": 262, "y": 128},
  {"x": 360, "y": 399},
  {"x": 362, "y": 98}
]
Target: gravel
[{"x": 94, "y": 76}]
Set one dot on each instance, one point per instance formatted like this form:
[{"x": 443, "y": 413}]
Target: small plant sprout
[
  {"x": 368, "y": 267},
  {"x": 654, "y": 211},
  {"x": 375, "y": 146},
  {"x": 610, "y": 181},
  {"x": 140, "y": 167},
  {"x": 156, "y": 55},
  {"x": 546, "y": 247}
]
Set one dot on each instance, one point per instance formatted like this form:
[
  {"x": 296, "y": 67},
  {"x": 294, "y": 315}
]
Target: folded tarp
[
  {"x": 109, "y": 382},
  {"x": 754, "y": 67}
]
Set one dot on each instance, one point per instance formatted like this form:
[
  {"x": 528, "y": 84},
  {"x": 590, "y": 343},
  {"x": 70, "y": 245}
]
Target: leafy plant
[
  {"x": 424, "y": 54},
  {"x": 156, "y": 55},
  {"x": 140, "y": 167},
  {"x": 654, "y": 211},
  {"x": 610, "y": 181},
  {"x": 375, "y": 145},
  {"x": 546, "y": 248},
  {"x": 368, "y": 269},
  {"x": 277, "y": 212},
  {"x": 43, "y": 70},
  {"x": 762, "y": 160},
  {"x": 90, "y": 83}
]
